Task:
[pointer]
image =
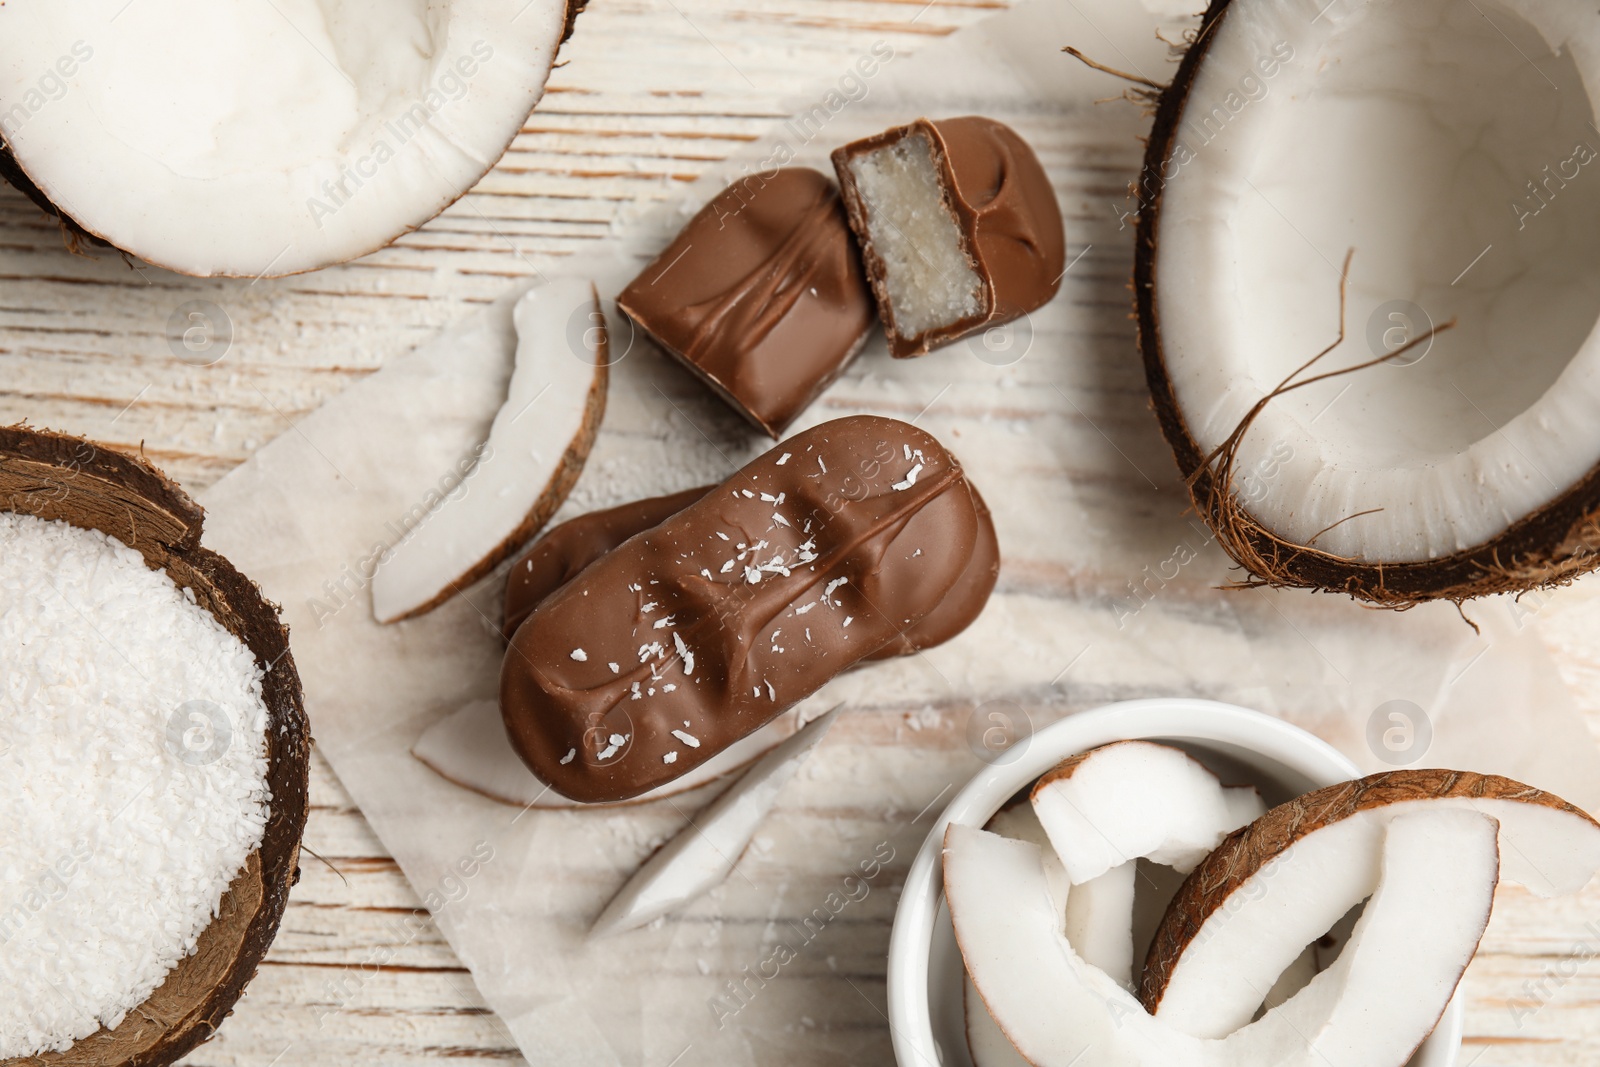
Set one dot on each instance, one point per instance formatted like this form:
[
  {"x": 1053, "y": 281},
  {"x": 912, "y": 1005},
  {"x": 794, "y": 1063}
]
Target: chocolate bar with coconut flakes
[
  {"x": 701, "y": 629},
  {"x": 958, "y": 225},
  {"x": 562, "y": 554}
]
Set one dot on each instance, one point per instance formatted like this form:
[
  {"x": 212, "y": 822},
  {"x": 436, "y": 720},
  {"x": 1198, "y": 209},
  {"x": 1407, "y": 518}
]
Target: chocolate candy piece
[
  {"x": 958, "y": 224},
  {"x": 560, "y": 555},
  {"x": 698, "y": 631},
  {"x": 761, "y": 295}
]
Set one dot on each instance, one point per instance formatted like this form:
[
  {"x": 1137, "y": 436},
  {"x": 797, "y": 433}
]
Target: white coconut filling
[
  {"x": 1419, "y": 134},
  {"x": 265, "y": 138},
  {"x": 928, "y": 275}
]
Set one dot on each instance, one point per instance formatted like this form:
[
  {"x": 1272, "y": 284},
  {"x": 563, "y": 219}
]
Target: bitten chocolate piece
[
  {"x": 698, "y": 631},
  {"x": 958, "y": 224},
  {"x": 762, "y": 295},
  {"x": 563, "y": 553}
]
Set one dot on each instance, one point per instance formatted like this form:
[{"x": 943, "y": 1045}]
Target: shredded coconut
[{"x": 132, "y": 779}]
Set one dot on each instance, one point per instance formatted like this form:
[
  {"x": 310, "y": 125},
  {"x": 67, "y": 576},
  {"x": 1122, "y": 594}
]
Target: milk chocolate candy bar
[
  {"x": 762, "y": 295},
  {"x": 701, "y": 629},
  {"x": 564, "y": 552},
  {"x": 958, "y": 224}
]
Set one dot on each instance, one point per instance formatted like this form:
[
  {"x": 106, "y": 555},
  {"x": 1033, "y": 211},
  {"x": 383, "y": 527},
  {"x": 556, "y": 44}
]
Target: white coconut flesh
[
  {"x": 1244, "y": 946},
  {"x": 1138, "y": 800},
  {"x": 469, "y": 747},
  {"x": 537, "y": 444},
  {"x": 266, "y": 138},
  {"x": 1418, "y": 133},
  {"x": 706, "y": 851},
  {"x": 1371, "y": 1008}
]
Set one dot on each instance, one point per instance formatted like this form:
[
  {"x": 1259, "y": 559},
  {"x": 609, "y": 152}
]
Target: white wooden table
[{"x": 648, "y": 96}]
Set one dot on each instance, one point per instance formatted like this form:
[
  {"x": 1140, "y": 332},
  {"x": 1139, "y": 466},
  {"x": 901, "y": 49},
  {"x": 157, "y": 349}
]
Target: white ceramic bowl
[{"x": 925, "y": 971}]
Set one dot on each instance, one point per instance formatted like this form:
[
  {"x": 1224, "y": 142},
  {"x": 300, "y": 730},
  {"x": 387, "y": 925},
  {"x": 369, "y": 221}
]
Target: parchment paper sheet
[{"x": 1108, "y": 591}]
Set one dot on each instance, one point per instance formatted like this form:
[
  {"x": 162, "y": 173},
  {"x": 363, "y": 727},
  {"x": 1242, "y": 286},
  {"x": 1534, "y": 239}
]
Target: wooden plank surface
[{"x": 648, "y": 96}]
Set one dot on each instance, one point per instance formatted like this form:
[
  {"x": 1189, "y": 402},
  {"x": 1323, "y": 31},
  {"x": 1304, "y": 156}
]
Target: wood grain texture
[{"x": 649, "y": 95}]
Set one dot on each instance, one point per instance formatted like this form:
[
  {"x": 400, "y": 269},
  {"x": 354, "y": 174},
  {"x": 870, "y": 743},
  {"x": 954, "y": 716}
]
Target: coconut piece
[
  {"x": 536, "y": 449},
  {"x": 1465, "y": 465},
  {"x": 267, "y": 139},
  {"x": 90, "y": 485},
  {"x": 706, "y": 851},
  {"x": 987, "y": 1044},
  {"x": 1098, "y": 923},
  {"x": 958, "y": 225},
  {"x": 1137, "y": 799},
  {"x": 1375, "y": 1004},
  {"x": 469, "y": 747},
  {"x": 1251, "y": 908}
]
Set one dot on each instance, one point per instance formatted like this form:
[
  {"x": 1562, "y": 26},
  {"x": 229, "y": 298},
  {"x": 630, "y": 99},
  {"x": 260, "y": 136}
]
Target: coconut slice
[
  {"x": 1137, "y": 799},
  {"x": 264, "y": 139},
  {"x": 1451, "y": 147},
  {"x": 987, "y": 1044},
  {"x": 1370, "y": 1009},
  {"x": 706, "y": 851},
  {"x": 469, "y": 747},
  {"x": 536, "y": 449},
  {"x": 1255, "y": 904}
]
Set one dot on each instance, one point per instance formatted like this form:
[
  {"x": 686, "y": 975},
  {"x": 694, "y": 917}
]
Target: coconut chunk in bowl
[{"x": 927, "y": 977}]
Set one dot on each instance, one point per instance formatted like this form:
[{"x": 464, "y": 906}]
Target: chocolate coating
[
  {"x": 812, "y": 557},
  {"x": 761, "y": 295},
  {"x": 1004, "y": 206},
  {"x": 563, "y": 553}
]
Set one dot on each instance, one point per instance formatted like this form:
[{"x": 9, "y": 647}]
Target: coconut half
[
  {"x": 537, "y": 446},
  {"x": 264, "y": 139},
  {"x": 1451, "y": 148}
]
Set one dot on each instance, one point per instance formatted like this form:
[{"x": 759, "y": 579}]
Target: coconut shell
[
  {"x": 1548, "y": 547},
  {"x": 1250, "y": 848},
  {"x": 89, "y": 485},
  {"x": 78, "y": 239}
]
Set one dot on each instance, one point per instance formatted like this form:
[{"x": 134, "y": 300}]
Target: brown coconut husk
[
  {"x": 89, "y": 485},
  {"x": 1547, "y": 547},
  {"x": 1250, "y": 848}
]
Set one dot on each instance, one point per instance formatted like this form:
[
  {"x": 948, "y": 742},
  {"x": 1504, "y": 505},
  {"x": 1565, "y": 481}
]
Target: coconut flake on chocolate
[
  {"x": 535, "y": 451},
  {"x": 761, "y": 295},
  {"x": 958, "y": 224}
]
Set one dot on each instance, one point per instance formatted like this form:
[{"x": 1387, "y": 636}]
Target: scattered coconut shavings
[
  {"x": 687, "y": 738},
  {"x": 614, "y": 744},
  {"x": 580, "y": 655},
  {"x": 803, "y": 608},
  {"x": 669, "y": 757},
  {"x": 847, "y": 619},
  {"x": 616, "y": 668},
  {"x": 783, "y": 459},
  {"x": 722, "y": 535},
  {"x": 132, "y": 784},
  {"x": 772, "y": 694},
  {"x": 823, "y": 465},
  {"x": 910, "y": 479},
  {"x": 683, "y": 650},
  {"x": 662, "y": 623},
  {"x": 669, "y": 688},
  {"x": 571, "y": 752},
  {"x": 779, "y": 519}
]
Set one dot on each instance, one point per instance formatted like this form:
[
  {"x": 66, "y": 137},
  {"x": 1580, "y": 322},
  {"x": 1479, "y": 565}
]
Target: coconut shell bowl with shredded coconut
[{"x": 68, "y": 480}]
